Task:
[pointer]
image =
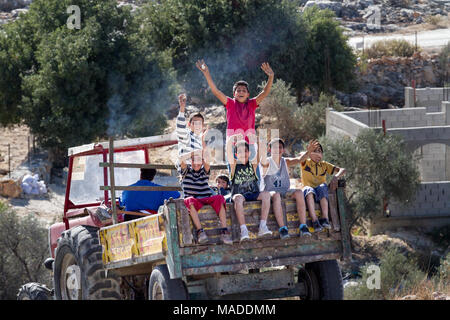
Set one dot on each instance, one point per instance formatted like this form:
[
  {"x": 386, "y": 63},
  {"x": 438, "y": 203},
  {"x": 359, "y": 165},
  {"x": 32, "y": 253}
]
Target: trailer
[{"x": 157, "y": 256}]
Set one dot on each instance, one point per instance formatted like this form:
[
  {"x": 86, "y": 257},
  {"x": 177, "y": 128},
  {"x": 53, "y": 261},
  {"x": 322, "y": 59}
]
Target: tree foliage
[
  {"x": 378, "y": 167},
  {"x": 295, "y": 123},
  {"x": 75, "y": 86},
  {"x": 330, "y": 60},
  {"x": 234, "y": 38}
]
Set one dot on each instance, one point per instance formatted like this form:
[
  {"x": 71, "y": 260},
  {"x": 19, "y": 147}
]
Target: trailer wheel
[
  {"x": 312, "y": 287},
  {"x": 329, "y": 280},
  {"x": 78, "y": 268},
  {"x": 34, "y": 291},
  {"x": 161, "y": 287}
]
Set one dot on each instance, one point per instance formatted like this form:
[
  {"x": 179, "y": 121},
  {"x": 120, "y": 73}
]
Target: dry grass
[{"x": 427, "y": 289}]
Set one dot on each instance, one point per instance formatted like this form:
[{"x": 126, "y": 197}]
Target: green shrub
[
  {"x": 399, "y": 274},
  {"x": 390, "y": 48},
  {"x": 23, "y": 249},
  {"x": 312, "y": 122},
  {"x": 368, "y": 181}
]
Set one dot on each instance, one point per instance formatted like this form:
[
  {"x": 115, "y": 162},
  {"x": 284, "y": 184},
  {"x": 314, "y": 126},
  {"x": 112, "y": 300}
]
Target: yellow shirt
[{"x": 315, "y": 173}]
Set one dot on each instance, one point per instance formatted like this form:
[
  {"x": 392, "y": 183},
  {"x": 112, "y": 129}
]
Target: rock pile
[
  {"x": 381, "y": 15},
  {"x": 382, "y": 80}
]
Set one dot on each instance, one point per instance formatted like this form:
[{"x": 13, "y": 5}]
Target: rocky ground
[
  {"x": 357, "y": 16},
  {"x": 375, "y": 16}
]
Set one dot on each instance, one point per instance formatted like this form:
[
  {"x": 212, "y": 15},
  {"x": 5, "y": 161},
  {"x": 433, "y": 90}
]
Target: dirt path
[{"x": 47, "y": 208}]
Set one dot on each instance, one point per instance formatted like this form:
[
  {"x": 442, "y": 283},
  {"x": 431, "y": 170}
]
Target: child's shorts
[
  {"x": 215, "y": 201},
  {"x": 250, "y": 196},
  {"x": 319, "y": 192},
  {"x": 284, "y": 195}
]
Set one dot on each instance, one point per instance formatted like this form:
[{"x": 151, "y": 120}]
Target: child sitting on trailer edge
[
  {"x": 314, "y": 171},
  {"x": 275, "y": 176},
  {"x": 245, "y": 186}
]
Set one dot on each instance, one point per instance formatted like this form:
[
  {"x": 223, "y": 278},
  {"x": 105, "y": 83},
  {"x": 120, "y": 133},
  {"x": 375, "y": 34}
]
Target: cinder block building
[{"x": 424, "y": 124}]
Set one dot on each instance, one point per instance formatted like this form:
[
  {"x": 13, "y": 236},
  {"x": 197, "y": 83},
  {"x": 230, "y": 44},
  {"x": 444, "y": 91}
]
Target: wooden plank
[
  {"x": 235, "y": 228},
  {"x": 184, "y": 223},
  {"x": 134, "y": 213},
  {"x": 239, "y": 283},
  {"x": 332, "y": 207},
  {"x": 345, "y": 232},
  {"x": 173, "y": 258},
  {"x": 156, "y": 166},
  {"x": 143, "y": 188},
  {"x": 111, "y": 177},
  {"x": 211, "y": 260}
]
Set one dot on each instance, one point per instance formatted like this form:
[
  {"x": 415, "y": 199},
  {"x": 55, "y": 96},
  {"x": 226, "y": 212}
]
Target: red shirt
[{"x": 240, "y": 116}]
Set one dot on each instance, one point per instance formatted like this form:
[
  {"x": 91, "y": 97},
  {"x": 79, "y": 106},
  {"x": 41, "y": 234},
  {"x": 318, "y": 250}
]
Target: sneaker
[
  {"x": 317, "y": 227},
  {"x": 284, "y": 234},
  {"x": 244, "y": 235},
  {"x": 304, "y": 231},
  {"x": 264, "y": 231},
  {"x": 325, "y": 223},
  {"x": 226, "y": 237},
  {"x": 201, "y": 236}
]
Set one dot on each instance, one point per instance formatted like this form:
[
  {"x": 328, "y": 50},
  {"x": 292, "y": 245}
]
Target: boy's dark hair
[
  {"x": 276, "y": 140},
  {"x": 240, "y": 83},
  {"x": 196, "y": 115},
  {"x": 224, "y": 178},
  {"x": 148, "y": 174},
  {"x": 320, "y": 147},
  {"x": 242, "y": 142}
]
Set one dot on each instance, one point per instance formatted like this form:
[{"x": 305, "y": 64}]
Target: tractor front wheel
[{"x": 78, "y": 268}]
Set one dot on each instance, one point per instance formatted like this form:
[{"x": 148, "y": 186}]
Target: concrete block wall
[
  {"x": 338, "y": 124},
  {"x": 432, "y": 199},
  {"x": 429, "y": 98},
  {"x": 399, "y": 118},
  {"x": 427, "y": 130}
]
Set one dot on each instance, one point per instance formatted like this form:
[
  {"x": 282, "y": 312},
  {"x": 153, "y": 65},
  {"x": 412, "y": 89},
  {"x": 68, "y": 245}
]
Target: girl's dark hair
[{"x": 240, "y": 83}]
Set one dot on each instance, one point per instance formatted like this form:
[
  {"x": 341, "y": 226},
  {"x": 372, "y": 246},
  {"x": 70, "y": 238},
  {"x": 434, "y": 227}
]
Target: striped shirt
[
  {"x": 195, "y": 183},
  {"x": 188, "y": 141}
]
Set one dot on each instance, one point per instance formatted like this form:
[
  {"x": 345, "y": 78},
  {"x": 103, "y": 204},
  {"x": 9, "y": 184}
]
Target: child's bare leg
[
  {"x": 324, "y": 207},
  {"x": 310, "y": 204},
  {"x": 194, "y": 215},
  {"x": 239, "y": 208},
  {"x": 277, "y": 209},
  {"x": 301, "y": 206},
  {"x": 265, "y": 204},
  {"x": 223, "y": 216}
]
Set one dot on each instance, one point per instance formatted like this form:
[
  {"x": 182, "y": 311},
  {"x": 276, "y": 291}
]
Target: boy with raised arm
[
  {"x": 198, "y": 193},
  {"x": 245, "y": 186},
  {"x": 315, "y": 189},
  {"x": 240, "y": 109},
  {"x": 275, "y": 175}
]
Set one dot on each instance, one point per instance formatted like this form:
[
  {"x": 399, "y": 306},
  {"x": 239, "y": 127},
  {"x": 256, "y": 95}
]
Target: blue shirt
[{"x": 142, "y": 200}]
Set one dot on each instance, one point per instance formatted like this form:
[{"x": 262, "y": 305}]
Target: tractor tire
[
  {"x": 323, "y": 280},
  {"x": 161, "y": 287},
  {"x": 78, "y": 268},
  {"x": 34, "y": 291}
]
